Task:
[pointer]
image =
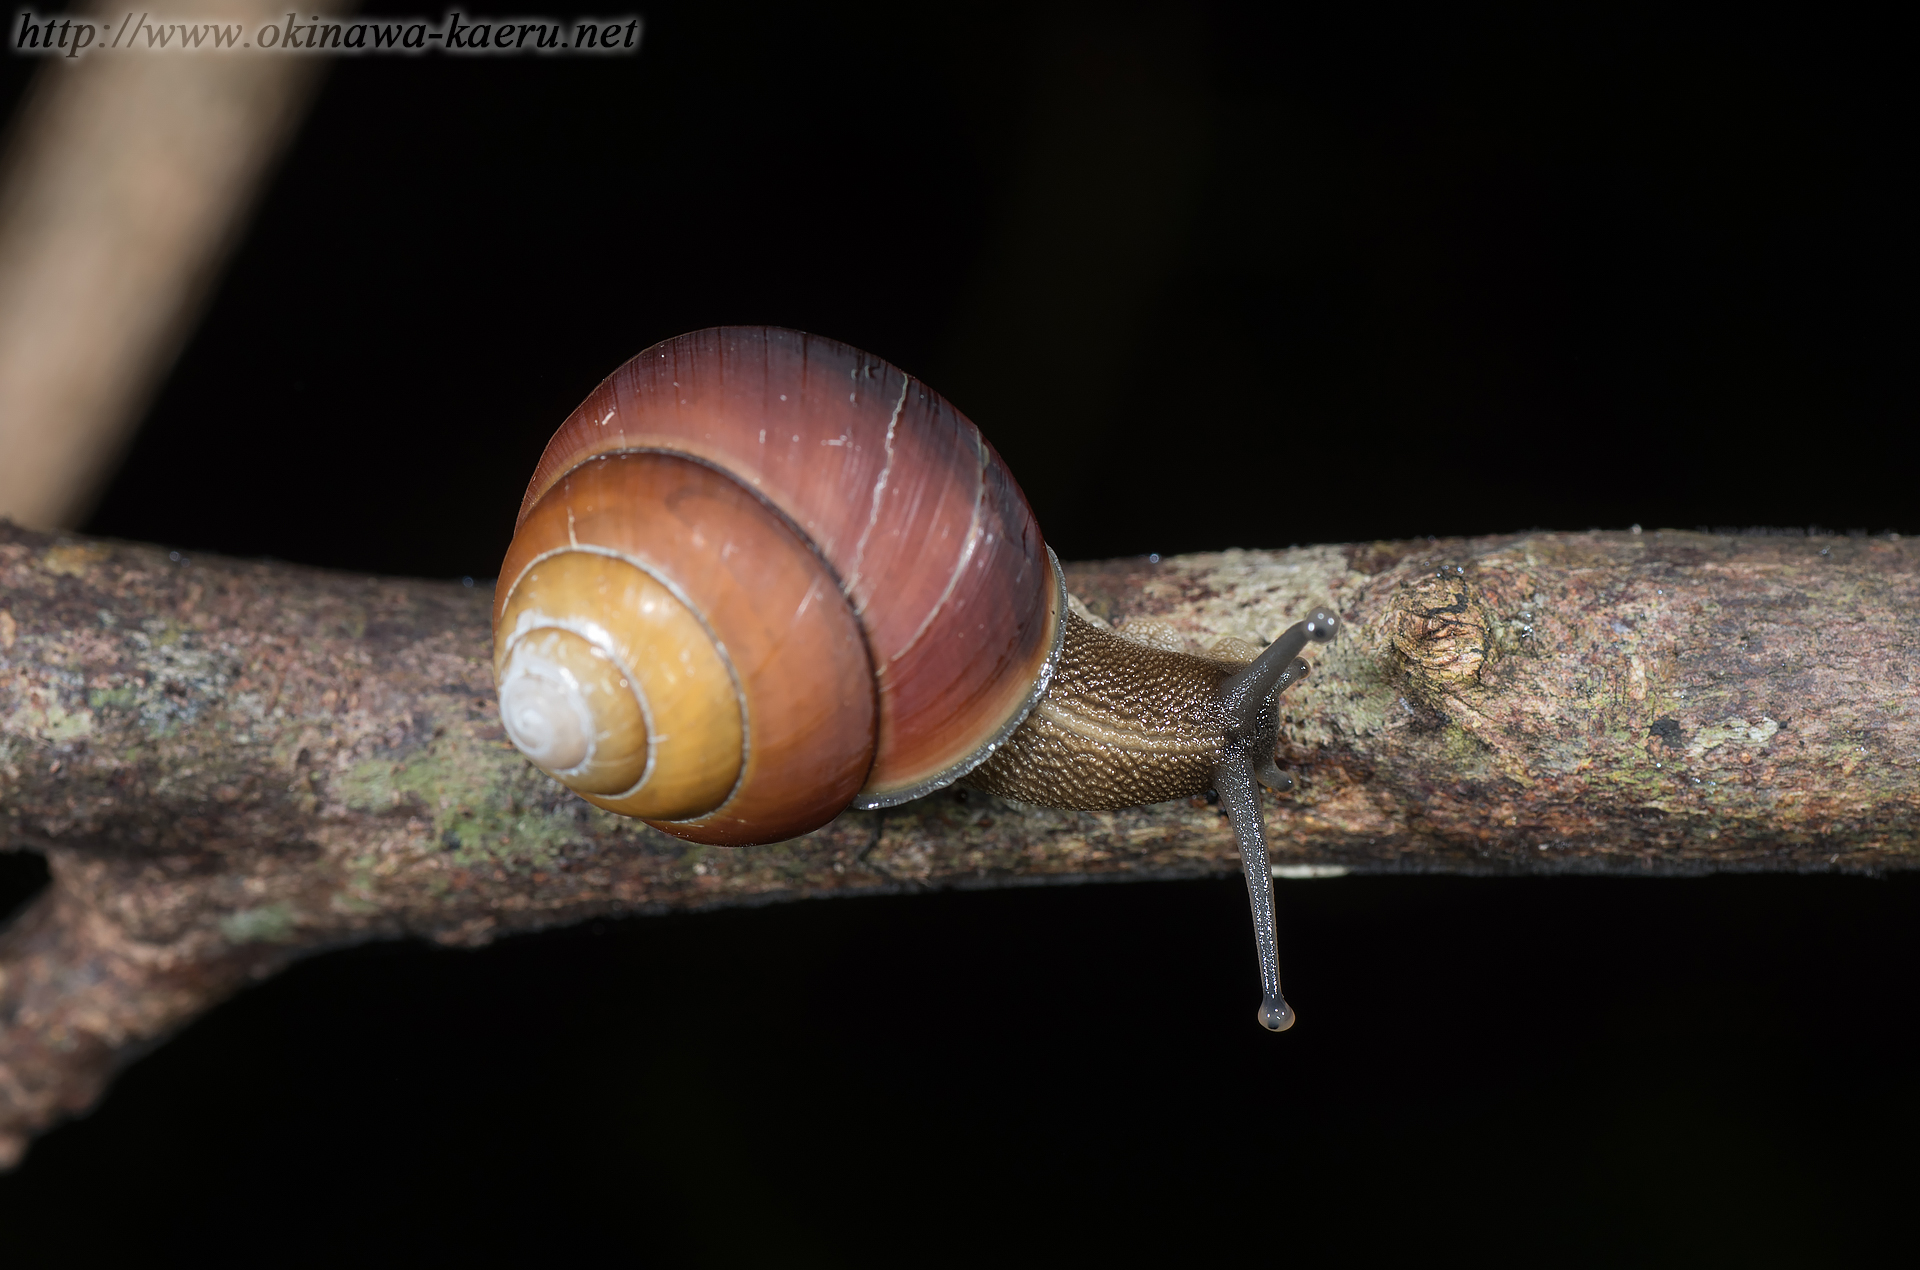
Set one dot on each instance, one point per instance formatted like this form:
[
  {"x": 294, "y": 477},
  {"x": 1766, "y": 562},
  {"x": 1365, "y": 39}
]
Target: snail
[{"x": 760, "y": 576}]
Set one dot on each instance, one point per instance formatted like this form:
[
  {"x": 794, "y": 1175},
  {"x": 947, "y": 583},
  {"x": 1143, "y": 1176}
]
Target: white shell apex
[{"x": 546, "y": 714}]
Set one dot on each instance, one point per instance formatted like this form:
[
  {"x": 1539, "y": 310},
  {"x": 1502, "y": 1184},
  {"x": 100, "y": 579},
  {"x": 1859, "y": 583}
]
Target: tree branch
[
  {"x": 232, "y": 764},
  {"x": 125, "y": 181}
]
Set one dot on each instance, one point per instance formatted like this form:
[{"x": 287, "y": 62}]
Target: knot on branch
[{"x": 1439, "y": 623}]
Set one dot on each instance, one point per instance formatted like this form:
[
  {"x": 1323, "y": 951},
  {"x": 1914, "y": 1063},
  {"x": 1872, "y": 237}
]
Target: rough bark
[{"x": 230, "y": 764}]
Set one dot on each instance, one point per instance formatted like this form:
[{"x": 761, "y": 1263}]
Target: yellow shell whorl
[
  {"x": 670, "y": 648},
  {"x": 614, "y": 687}
]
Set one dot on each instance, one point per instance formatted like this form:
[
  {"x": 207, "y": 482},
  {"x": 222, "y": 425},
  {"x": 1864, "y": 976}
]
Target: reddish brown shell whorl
[{"x": 910, "y": 515}]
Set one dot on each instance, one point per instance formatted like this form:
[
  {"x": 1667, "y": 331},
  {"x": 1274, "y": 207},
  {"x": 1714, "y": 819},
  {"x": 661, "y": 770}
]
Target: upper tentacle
[{"x": 1248, "y": 691}]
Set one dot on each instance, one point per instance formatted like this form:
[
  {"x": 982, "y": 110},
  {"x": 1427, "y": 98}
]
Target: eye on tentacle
[
  {"x": 1251, "y": 697},
  {"x": 1274, "y": 670}
]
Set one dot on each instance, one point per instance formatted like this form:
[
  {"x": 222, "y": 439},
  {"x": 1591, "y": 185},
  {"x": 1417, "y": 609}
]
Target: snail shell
[{"x": 759, "y": 576}]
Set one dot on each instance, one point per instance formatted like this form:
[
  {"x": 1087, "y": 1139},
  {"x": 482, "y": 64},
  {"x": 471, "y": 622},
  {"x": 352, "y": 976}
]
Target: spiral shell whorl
[
  {"x": 570, "y": 710},
  {"x": 596, "y": 660},
  {"x": 916, "y": 532},
  {"x": 717, "y": 621},
  {"x": 759, "y": 577}
]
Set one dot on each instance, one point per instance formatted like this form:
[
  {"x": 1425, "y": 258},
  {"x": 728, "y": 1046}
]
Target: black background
[{"x": 1207, "y": 277}]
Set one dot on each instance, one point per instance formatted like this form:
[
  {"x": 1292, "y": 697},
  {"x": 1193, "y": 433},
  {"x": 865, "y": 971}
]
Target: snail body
[{"x": 759, "y": 577}]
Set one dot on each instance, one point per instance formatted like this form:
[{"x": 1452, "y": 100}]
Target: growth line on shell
[
  {"x": 971, "y": 545},
  {"x": 879, "y": 488}
]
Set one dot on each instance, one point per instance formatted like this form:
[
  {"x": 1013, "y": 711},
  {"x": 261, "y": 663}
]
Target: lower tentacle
[{"x": 1233, "y": 778}]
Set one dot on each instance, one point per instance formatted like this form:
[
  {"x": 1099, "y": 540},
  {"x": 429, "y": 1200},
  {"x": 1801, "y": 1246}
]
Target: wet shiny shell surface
[
  {"x": 916, "y": 517},
  {"x": 651, "y": 669},
  {"x": 798, "y": 684}
]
